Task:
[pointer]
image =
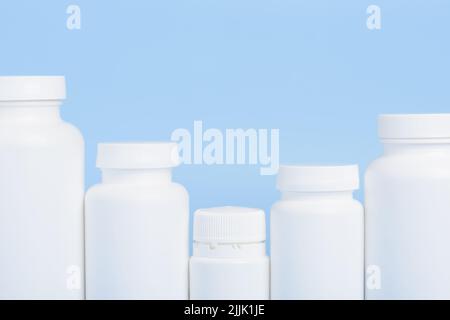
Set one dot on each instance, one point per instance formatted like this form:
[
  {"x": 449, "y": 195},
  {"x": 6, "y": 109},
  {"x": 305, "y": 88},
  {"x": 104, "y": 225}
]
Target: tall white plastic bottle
[
  {"x": 317, "y": 235},
  {"x": 408, "y": 209},
  {"x": 229, "y": 261},
  {"x": 137, "y": 225},
  {"x": 41, "y": 193}
]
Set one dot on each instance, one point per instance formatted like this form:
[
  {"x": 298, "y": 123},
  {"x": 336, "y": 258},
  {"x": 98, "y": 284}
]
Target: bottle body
[
  {"x": 229, "y": 278},
  {"x": 407, "y": 222},
  {"x": 229, "y": 260},
  {"x": 41, "y": 203},
  {"x": 317, "y": 247},
  {"x": 137, "y": 237}
]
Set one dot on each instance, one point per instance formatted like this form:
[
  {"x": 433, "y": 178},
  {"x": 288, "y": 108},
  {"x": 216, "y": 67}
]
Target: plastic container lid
[
  {"x": 318, "y": 178},
  {"x": 138, "y": 155},
  {"x": 414, "y": 126},
  {"x": 229, "y": 225},
  {"x": 29, "y": 88}
]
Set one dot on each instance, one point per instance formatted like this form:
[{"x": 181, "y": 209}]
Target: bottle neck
[
  {"x": 229, "y": 250},
  {"x": 400, "y": 146},
  {"x": 333, "y": 195},
  {"x": 30, "y": 111},
  {"x": 137, "y": 176}
]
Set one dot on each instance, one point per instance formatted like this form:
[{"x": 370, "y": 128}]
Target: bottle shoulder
[
  {"x": 180, "y": 189},
  {"x": 317, "y": 206},
  {"x": 60, "y": 132},
  {"x": 137, "y": 191},
  {"x": 428, "y": 165},
  {"x": 72, "y": 131}
]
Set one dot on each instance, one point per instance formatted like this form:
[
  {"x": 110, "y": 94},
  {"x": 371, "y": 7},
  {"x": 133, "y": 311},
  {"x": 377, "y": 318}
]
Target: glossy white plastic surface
[
  {"x": 407, "y": 197},
  {"x": 317, "y": 235},
  {"x": 41, "y": 195},
  {"x": 137, "y": 243}
]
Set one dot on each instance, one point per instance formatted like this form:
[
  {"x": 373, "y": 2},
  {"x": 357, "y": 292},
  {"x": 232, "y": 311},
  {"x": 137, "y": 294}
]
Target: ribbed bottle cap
[
  {"x": 137, "y": 155},
  {"x": 28, "y": 88},
  {"x": 318, "y": 178},
  {"x": 229, "y": 225},
  {"x": 414, "y": 126}
]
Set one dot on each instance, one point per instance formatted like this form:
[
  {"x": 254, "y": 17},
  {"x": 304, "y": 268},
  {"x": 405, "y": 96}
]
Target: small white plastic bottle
[
  {"x": 317, "y": 235},
  {"x": 407, "y": 196},
  {"x": 137, "y": 222},
  {"x": 41, "y": 192},
  {"x": 229, "y": 260}
]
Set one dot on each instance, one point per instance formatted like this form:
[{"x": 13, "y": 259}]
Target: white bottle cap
[
  {"x": 229, "y": 225},
  {"x": 29, "y": 88},
  {"x": 414, "y": 126},
  {"x": 318, "y": 178},
  {"x": 137, "y": 155}
]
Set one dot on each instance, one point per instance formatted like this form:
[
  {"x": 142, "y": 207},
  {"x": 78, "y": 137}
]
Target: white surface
[
  {"x": 408, "y": 220},
  {"x": 229, "y": 278},
  {"x": 32, "y": 88},
  {"x": 137, "y": 243},
  {"x": 317, "y": 246},
  {"x": 317, "y": 178},
  {"x": 414, "y": 126},
  {"x": 229, "y": 225},
  {"x": 138, "y": 155},
  {"x": 229, "y": 260},
  {"x": 41, "y": 203}
]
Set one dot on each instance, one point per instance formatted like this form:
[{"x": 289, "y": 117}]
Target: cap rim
[
  {"x": 137, "y": 155},
  {"x": 414, "y": 126},
  {"x": 312, "y": 178},
  {"x": 29, "y": 88},
  {"x": 229, "y": 225}
]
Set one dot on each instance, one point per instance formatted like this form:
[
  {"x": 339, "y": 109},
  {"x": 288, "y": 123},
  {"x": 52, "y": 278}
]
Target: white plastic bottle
[
  {"x": 229, "y": 261},
  {"x": 41, "y": 193},
  {"x": 317, "y": 235},
  {"x": 137, "y": 225},
  {"x": 408, "y": 209}
]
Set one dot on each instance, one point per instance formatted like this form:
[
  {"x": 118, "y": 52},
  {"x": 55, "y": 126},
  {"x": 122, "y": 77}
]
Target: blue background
[{"x": 137, "y": 70}]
